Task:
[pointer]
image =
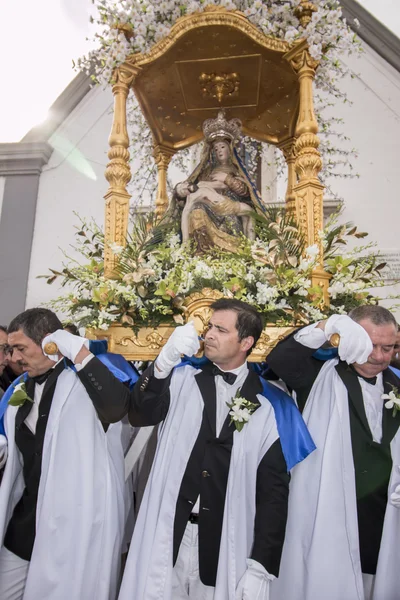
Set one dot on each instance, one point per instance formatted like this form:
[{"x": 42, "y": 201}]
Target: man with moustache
[
  {"x": 343, "y": 529},
  {"x": 212, "y": 521},
  {"x": 62, "y": 509}
]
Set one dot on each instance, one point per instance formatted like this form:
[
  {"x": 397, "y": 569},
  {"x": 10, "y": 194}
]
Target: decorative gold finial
[
  {"x": 126, "y": 29},
  {"x": 304, "y": 12},
  {"x": 221, "y": 128},
  {"x": 334, "y": 340},
  {"x": 219, "y": 86},
  {"x": 50, "y": 348}
]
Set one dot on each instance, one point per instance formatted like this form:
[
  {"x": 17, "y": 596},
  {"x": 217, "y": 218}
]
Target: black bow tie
[
  {"x": 230, "y": 378},
  {"x": 39, "y": 379},
  {"x": 370, "y": 380}
]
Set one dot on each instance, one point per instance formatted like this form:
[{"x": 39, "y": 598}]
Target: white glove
[
  {"x": 68, "y": 344},
  {"x": 183, "y": 340},
  {"x": 254, "y": 585},
  {"x": 3, "y": 450},
  {"x": 395, "y": 497},
  {"x": 355, "y": 344}
]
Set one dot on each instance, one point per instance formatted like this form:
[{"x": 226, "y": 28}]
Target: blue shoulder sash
[{"x": 295, "y": 438}]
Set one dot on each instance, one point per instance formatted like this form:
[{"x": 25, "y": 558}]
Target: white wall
[
  {"x": 73, "y": 180},
  {"x": 372, "y": 122}
]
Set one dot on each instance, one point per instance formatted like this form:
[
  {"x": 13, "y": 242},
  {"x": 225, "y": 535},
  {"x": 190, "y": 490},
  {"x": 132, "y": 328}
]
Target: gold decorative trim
[
  {"x": 146, "y": 344},
  {"x": 219, "y": 85}
]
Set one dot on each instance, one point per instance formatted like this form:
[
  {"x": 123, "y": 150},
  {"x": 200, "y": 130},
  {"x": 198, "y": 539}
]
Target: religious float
[{"x": 213, "y": 76}]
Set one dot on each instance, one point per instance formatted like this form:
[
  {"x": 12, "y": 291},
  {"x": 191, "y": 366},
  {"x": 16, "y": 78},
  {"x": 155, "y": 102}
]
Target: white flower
[
  {"x": 115, "y": 248},
  {"x": 393, "y": 401},
  {"x": 336, "y": 288},
  {"x": 240, "y": 410},
  {"x": 19, "y": 386},
  {"x": 312, "y": 251}
]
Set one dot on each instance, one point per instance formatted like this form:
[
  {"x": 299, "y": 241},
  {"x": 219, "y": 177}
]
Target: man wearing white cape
[
  {"x": 61, "y": 499},
  {"x": 343, "y": 533},
  {"x": 212, "y": 520}
]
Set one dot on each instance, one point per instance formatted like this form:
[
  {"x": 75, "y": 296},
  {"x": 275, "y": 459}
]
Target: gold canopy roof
[{"x": 212, "y": 60}]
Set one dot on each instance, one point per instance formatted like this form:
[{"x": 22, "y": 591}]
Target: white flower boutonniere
[
  {"x": 241, "y": 410},
  {"x": 19, "y": 396},
  {"x": 393, "y": 400}
]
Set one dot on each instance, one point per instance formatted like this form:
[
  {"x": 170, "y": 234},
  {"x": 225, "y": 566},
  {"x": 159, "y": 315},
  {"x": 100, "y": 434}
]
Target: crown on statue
[{"x": 218, "y": 128}]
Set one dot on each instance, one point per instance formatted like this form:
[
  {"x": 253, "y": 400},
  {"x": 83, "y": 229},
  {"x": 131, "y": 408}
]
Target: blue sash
[
  {"x": 295, "y": 438},
  {"x": 325, "y": 353},
  {"x": 395, "y": 371}
]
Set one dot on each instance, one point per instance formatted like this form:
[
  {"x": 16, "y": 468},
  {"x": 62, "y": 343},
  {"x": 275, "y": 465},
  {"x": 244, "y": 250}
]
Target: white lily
[{"x": 393, "y": 401}]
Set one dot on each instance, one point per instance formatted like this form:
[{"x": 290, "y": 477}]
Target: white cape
[
  {"x": 148, "y": 572},
  {"x": 80, "y": 510},
  {"x": 321, "y": 552}
]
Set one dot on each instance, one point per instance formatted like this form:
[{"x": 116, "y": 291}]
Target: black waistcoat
[
  {"x": 20, "y": 534},
  {"x": 206, "y": 475},
  {"x": 372, "y": 465}
]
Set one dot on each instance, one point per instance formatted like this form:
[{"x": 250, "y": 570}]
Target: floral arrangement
[
  {"x": 392, "y": 400},
  {"x": 124, "y": 27},
  {"x": 273, "y": 273},
  {"x": 240, "y": 410}
]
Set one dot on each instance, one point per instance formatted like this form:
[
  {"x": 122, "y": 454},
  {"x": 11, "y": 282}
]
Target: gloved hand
[
  {"x": 355, "y": 344},
  {"x": 183, "y": 340},
  {"x": 3, "y": 450},
  {"x": 68, "y": 344},
  {"x": 395, "y": 497},
  {"x": 254, "y": 585}
]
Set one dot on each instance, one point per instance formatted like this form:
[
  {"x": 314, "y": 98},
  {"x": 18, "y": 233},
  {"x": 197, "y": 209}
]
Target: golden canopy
[{"x": 211, "y": 60}]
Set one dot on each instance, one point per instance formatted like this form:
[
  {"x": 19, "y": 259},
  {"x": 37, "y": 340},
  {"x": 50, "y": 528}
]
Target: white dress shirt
[
  {"x": 33, "y": 416},
  {"x": 373, "y": 403}
]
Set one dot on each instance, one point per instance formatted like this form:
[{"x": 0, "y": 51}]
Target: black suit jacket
[
  {"x": 208, "y": 466},
  {"x": 294, "y": 363}
]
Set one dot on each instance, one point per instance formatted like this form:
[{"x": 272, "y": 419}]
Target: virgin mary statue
[{"x": 220, "y": 201}]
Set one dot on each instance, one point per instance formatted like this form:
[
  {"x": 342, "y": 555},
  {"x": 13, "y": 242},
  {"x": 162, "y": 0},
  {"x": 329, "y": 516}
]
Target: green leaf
[{"x": 18, "y": 398}]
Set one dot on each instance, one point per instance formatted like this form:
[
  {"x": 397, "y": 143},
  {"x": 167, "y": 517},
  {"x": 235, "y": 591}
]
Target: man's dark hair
[
  {"x": 3, "y": 328},
  {"x": 249, "y": 321},
  {"x": 36, "y": 323},
  {"x": 378, "y": 315}
]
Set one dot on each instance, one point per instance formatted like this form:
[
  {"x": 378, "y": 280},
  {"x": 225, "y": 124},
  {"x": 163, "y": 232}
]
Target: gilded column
[
  {"x": 290, "y": 158},
  {"x": 308, "y": 189},
  {"x": 118, "y": 172},
  {"x": 162, "y": 156}
]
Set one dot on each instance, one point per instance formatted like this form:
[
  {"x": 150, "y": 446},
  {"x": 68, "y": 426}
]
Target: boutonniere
[
  {"x": 240, "y": 410},
  {"x": 19, "y": 395},
  {"x": 393, "y": 400}
]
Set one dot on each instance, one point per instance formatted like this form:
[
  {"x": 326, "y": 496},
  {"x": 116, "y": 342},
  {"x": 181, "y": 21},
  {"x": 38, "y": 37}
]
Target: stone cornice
[
  {"x": 24, "y": 158},
  {"x": 373, "y": 32}
]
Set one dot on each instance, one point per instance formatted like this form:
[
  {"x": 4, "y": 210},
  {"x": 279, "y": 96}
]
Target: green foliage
[{"x": 273, "y": 273}]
